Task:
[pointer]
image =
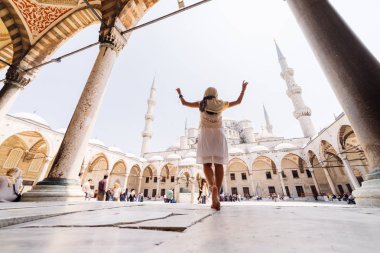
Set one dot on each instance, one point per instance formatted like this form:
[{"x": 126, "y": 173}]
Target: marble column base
[
  {"x": 54, "y": 189},
  {"x": 369, "y": 194}
]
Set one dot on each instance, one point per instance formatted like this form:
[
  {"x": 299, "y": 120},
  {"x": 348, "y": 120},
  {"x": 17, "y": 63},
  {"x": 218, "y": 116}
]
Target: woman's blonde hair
[
  {"x": 12, "y": 172},
  {"x": 116, "y": 185}
]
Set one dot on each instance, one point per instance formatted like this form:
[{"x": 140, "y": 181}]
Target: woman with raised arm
[{"x": 212, "y": 143}]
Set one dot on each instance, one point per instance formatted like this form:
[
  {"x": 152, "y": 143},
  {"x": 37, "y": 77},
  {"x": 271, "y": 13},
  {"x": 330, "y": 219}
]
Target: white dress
[{"x": 212, "y": 143}]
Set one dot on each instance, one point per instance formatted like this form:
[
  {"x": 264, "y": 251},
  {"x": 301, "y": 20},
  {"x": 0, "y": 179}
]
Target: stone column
[
  {"x": 15, "y": 81},
  {"x": 354, "y": 74},
  {"x": 192, "y": 189},
  {"x": 315, "y": 181},
  {"x": 62, "y": 182},
  {"x": 253, "y": 184},
  {"x": 158, "y": 186},
  {"x": 329, "y": 180},
  {"x": 282, "y": 182},
  {"x": 139, "y": 188},
  {"x": 225, "y": 185},
  {"x": 347, "y": 168}
]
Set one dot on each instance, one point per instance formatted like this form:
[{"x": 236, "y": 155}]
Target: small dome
[
  {"x": 31, "y": 117},
  {"x": 236, "y": 151},
  {"x": 173, "y": 157},
  {"x": 188, "y": 162},
  {"x": 191, "y": 154},
  {"x": 130, "y": 155},
  {"x": 258, "y": 148},
  {"x": 173, "y": 148},
  {"x": 97, "y": 142},
  {"x": 283, "y": 146},
  {"x": 115, "y": 149},
  {"x": 156, "y": 158},
  {"x": 61, "y": 130}
]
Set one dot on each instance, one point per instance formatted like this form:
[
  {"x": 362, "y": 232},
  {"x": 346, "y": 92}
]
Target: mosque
[
  {"x": 332, "y": 160},
  {"x": 260, "y": 163}
]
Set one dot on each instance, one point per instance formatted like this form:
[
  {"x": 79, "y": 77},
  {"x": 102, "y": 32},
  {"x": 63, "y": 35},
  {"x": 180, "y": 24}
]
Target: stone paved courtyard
[{"x": 157, "y": 227}]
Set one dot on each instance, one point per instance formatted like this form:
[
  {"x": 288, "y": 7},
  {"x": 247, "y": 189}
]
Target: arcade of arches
[{"x": 317, "y": 169}]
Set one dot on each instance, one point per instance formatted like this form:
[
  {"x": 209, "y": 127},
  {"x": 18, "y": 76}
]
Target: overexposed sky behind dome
[{"x": 217, "y": 44}]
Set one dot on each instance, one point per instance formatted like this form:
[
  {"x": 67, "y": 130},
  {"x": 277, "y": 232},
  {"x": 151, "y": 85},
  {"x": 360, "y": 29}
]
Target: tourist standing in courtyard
[
  {"x": 116, "y": 192},
  {"x": 11, "y": 185},
  {"x": 102, "y": 188},
  {"x": 212, "y": 144},
  {"x": 87, "y": 189}
]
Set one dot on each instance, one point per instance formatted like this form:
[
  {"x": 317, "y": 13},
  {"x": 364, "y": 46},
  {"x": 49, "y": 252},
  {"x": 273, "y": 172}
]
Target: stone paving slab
[
  {"x": 281, "y": 229},
  {"x": 238, "y": 227},
  {"x": 99, "y": 218},
  {"x": 11, "y": 216},
  {"x": 81, "y": 240}
]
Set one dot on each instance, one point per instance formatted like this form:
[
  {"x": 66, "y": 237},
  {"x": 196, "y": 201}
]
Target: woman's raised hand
[
  {"x": 178, "y": 91},
  {"x": 244, "y": 86}
]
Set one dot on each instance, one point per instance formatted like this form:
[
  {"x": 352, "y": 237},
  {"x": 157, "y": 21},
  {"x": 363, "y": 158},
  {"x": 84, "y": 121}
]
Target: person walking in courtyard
[
  {"x": 102, "y": 188},
  {"x": 116, "y": 191},
  {"x": 204, "y": 192},
  {"x": 11, "y": 185},
  {"x": 212, "y": 144},
  {"x": 87, "y": 189}
]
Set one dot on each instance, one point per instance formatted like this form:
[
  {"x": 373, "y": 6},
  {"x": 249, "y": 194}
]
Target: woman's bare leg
[
  {"x": 219, "y": 174},
  {"x": 209, "y": 173}
]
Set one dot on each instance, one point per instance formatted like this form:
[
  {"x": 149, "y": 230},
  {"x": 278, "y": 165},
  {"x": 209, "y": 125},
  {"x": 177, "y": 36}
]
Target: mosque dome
[
  {"x": 236, "y": 151},
  {"x": 32, "y": 117},
  {"x": 191, "y": 154},
  {"x": 156, "y": 158},
  {"x": 188, "y": 162},
  {"x": 173, "y": 156},
  {"x": 258, "y": 148},
  {"x": 284, "y": 146},
  {"x": 115, "y": 149},
  {"x": 173, "y": 148},
  {"x": 97, "y": 142}
]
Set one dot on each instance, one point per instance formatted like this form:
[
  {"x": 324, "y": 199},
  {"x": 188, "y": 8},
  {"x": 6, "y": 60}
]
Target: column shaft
[
  {"x": 282, "y": 183},
  {"x": 354, "y": 74},
  {"x": 329, "y": 180},
  {"x": 8, "y": 95},
  {"x": 315, "y": 182},
  {"x": 350, "y": 174}
]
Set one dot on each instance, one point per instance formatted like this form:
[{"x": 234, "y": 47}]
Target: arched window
[
  {"x": 13, "y": 158},
  {"x": 36, "y": 163}
]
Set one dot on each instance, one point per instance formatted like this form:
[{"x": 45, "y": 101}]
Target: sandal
[{"x": 215, "y": 198}]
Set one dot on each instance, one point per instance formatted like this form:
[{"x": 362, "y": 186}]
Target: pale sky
[{"x": 217, "y": 44}]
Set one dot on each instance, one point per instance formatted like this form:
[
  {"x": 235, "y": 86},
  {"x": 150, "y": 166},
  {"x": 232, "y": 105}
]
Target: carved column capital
[
  {"x": 17, "y": 77},
  {"x": 113, "y": 40}
]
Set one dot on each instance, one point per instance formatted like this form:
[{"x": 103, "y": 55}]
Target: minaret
[
  {"x": 301, "y": 112},
  {"x": 147, "y": 134},
  {"x": 268, "y": 125}
]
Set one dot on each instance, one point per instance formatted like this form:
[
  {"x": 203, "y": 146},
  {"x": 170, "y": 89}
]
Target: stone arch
[
  {"x": 168, "y": 177},
  {"x": 6, "y": 47},
  {"x": 57, "y": 36},
  {"x": 148, "y": 186},
  {"x": 16, "y": 30},
  {"x": 27, "y": 150},
  {"x": 296, "y": 176},
  {"x": 238, "y": 178},
  {"x": 118, "y": 174},
  {"x": 332, "y": 161},
  {"x": 265, "y": 178},
  {"x": 133, "y": 179},
  {"x": 351, "y": 149},
  {"x": 96, "y": 169}
]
